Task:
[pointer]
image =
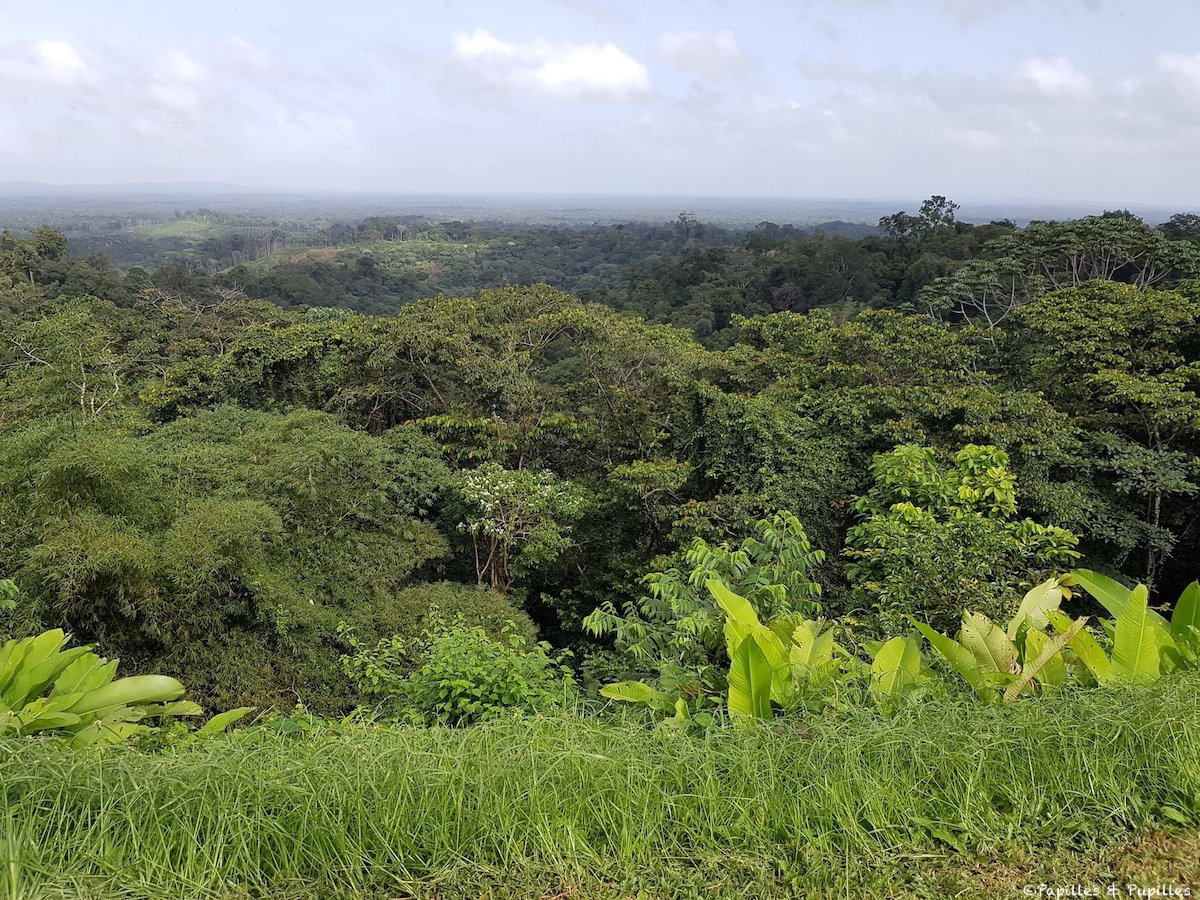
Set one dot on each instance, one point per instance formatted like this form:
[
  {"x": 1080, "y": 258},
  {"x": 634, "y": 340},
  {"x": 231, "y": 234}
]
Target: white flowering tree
[{"x": 517, "y": 519}]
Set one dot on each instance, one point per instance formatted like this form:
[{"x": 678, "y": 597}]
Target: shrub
[
  {"x": 465, "y": 677},
  {"x": 935, "y": 541}
]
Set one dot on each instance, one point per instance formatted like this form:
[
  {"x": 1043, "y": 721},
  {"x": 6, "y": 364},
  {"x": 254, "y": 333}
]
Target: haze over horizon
[{"x": 1074, "y": 101}]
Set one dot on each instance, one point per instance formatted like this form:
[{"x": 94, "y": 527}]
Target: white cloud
[
  {"x": 974, "y": 138},
  {"x": 183, "y": 67},
  {"x": 52, "y": 65},
  {"x": 1186, "y": 68},
  {"x": 561, "y": 70},
  {"x": 707, "y": 52},
  {"x": 59, "y": 59},
  {"x": 1055, "y": 76},
  {"x": 966, "y": 12}
]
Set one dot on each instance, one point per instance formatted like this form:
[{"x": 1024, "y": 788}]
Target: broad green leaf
[
  {"x": 1047, "y": 666},
  {"x": 9, "y": 660},
  {"x": 176, "y": 708},
  {"x": 736, "y": 607},
  {"x": 1187, "y": 610},
  {"x": 1054, "y": 672},
  {"x": 1045, "y": 596},
  {"x": 812, "y": 649},
  {"x": 988, "y": 643},
  {"x": 955, "y": 653},
  {"x": 740, "y": 618},
  {"x": 28, "y": 665},
  {"x": 896, "y": 668},
  {"x": 1086, "y": 647},
  {"x": 1136, "y": 652},
  {"x": 628, "y": 691},
  {"x": 86, "y": 673},
  {"x": 129, "y": 691},
  {"x": 750, "y": 681},
  {"x": 1112, "y": 595}
]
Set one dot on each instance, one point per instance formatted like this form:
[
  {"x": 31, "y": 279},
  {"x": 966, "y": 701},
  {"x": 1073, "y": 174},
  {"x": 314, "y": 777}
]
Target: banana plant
[
  {"x": 1003, "y": 663},
  {"x": 779, "y": 663},
  {"x": 1145, "y": 645},
  {"x": 45, "y": 688},
  {"x": 660, "y": 701}
]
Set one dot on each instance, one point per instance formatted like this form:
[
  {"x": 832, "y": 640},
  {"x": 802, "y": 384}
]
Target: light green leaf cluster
[
  {"x": 934, "y": 541},
  {"x": 84, "y": 703},
  {"x": 1025, "y": 658}
]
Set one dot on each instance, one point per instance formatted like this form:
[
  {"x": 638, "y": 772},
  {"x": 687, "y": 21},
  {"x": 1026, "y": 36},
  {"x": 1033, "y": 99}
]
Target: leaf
[
  {"x": 1112, "y": 595},
  {"x": 990, "y": 646},
  {"x": 1187, "y": 610},
  {"x": 750, "y": 682},
  {"x": 1086, "y": 647},
  {"x": 811, "y": 649},
  {"x": 1045, "y": 596},
  {"x": 1047, "y": 663},
  {"x": 129, "y": 691},
  {"x": 635, "y": 692},
  {"x": 1054, "y": 672},
  {"x": 221, "y": 721},
  {"x": 86, "y": 673},
  {"x": 737, "y": 608},
  {"x": 1136, "y": 652},
  {"x": 740, "y": 618},
  {"x": 955, "y": 653},
  {"x": 896, "y": 668},
  {"x": 175, "y": 708}
]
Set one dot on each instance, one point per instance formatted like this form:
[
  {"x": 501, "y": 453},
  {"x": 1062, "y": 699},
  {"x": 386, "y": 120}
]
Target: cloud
[
  {"x": 714, "y": 53},
  {"x": 1055, "y": 77},
  {"x": 52, "y": 65},
  {"x": 560, "y": 70},
  {"x": 1183, "y": 68}
]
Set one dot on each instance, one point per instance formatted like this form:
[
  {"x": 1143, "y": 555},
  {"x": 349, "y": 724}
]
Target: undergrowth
[{"x": 860, "y": 805}]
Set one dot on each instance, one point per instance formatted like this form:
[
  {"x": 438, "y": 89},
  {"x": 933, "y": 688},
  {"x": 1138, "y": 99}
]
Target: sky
[{"x": 1008, "y": 100}]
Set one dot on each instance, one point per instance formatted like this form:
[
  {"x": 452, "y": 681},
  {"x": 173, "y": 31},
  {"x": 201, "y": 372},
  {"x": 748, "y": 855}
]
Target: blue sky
[{"x": 1072, "y": 100}]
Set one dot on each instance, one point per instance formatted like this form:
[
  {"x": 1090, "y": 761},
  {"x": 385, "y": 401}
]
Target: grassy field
[{"x": 940, "y": 800}]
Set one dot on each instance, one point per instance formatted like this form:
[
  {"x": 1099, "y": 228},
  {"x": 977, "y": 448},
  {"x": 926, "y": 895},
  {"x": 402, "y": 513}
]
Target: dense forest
[
  {"x": 226, "y": 471},
  {"x": 600, "y": 562}
]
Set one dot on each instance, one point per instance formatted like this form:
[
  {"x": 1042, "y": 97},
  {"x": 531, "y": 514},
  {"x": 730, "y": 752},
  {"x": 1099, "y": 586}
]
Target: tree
[
  {"x": 1125, "y": 363},
  {"x": 516, "y": 519},
  {"x": 936, "y": 541}
]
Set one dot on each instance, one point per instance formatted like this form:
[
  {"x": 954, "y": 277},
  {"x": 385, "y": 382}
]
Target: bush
[
  {"x": 465, "y": 677},
  {"x": 935, "y": 541},
  {"x": 409, "y": 611}
]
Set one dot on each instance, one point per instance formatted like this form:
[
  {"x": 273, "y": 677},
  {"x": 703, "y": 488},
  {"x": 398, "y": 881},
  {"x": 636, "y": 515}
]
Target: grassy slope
[{"x": 940, "y": 800}]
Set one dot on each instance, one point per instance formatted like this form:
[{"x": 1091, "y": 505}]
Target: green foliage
[
  {"x": 462, "y": 676},
  {"x": 1124, "y": 362},
  {"x": 521, "y": 808},
  {"x": 45, "y": 689},
  {"x": 1028, "y": 657},
  {"x": 221, "y": 548},
  {"x": 517, "y": 520},
  {"x": 933, "y": 542},
  {"x": 675, "y": 634},
  {"x": 794, "y": 663},
  {"x": 8, "y": 594}
]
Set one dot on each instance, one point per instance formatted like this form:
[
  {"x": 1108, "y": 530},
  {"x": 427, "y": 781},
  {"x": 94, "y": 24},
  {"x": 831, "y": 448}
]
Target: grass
[{"x": 941, "y": 799}]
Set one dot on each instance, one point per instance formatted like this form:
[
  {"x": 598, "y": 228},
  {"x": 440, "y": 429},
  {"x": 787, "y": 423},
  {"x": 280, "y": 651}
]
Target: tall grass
[{"x": 815, "y": 807}]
